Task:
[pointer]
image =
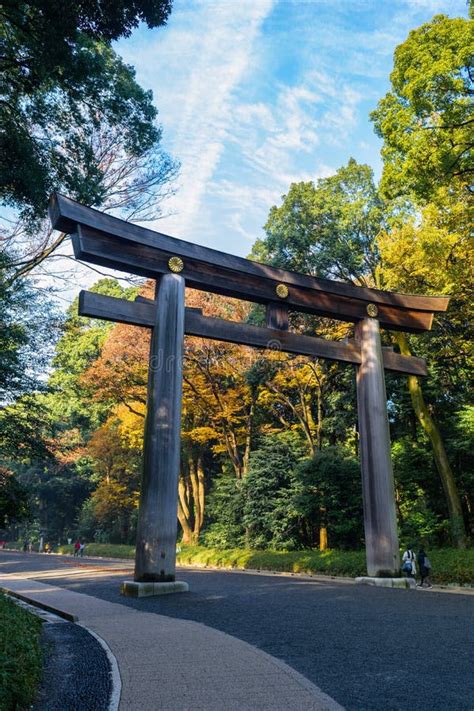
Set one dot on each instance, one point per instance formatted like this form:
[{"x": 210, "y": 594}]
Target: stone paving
[{"x": 174, "y": 665}]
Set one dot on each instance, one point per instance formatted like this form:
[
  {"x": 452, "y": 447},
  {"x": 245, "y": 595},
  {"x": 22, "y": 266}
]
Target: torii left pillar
[
  {"x": 380, "y": 522},
  {"x": 155, "y": 557}
]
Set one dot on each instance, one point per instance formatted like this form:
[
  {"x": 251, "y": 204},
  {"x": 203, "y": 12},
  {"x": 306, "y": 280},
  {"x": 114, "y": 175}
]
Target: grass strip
[
  {"x": 449, "y": 565},
  {"x": 20, "y": 654}
]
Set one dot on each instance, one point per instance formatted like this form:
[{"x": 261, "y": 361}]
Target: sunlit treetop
[{"x": 427, "y": 119}]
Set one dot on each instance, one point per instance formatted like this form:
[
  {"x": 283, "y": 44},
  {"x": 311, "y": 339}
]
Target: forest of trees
[{"x": 269, "y": 441}]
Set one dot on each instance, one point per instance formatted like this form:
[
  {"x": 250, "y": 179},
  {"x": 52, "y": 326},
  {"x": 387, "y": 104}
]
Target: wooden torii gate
[{"x": 108, "y": 241}]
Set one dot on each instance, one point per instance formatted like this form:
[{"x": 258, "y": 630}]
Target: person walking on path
[
  {"x": 81, "y": 549},
  {"x": 425, "y": 569},
  {"x": 77, "y": 547},
  {"x": 409, "y": 562}
]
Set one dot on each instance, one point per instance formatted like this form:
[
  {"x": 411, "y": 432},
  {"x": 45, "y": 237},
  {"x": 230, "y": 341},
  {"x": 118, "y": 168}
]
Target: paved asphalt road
[{"x": 368, "y": 648}]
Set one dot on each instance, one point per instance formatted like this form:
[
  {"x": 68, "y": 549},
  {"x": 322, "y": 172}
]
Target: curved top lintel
[{"x": 67, "y": 214}]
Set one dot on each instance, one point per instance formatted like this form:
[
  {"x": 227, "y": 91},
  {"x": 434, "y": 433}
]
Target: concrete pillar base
[
  {"x": 387, "y": 582},
  {"x": 131, "y": 588}
]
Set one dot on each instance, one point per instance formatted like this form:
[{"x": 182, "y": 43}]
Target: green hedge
[
  {"x": 450, "y": 565},
  {"x": 20, "y": 655},
  {"x": 101, "y": 550},
  {"x": 333, "y": 562}
]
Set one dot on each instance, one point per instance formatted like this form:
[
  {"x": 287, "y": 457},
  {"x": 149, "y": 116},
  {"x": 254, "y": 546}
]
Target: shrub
[
  {"x": 268, "y": 513},
  {"x": 328, "y": 494},
  {"x": 450, "y": 566},
  {"x": 225, "y": 512},
  {"x": 102, "y": 550}
]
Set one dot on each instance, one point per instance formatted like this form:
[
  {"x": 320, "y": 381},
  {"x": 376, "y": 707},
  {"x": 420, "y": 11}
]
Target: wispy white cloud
[
  {"x": 210, "y": 55},
  {"x": 256, "y": 94},
  {"x": 434, "y": 6},
  {"x": 273, "y": 138},
  {"x": 276, "y": 142}
]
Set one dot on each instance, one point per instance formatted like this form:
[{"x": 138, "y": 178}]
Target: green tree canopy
[
  {"x": 268, "y": 515},
  {"x": 56, "y": 492},
  {"x": 14, "y": 503},
  {"x": 327, "y": 229},
  {"x": 27, "y": 334},
  {"x": 63, "y": 87},
  {"x": 426, "y": 121},
  {"x": 78, "y": 347},
  {"x": 327, "y": 494}
]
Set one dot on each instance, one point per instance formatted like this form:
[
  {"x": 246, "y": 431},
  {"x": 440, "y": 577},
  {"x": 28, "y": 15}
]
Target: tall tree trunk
[
  {"x": 186, "y": 528},
  {"x": 183, "y": 495},
  {"x": 196, "y": 500},
  {"x": 184, "y": 516},
  {"x": 323, "y": 538},
  {"x": 319, "y": 432},
  {"x": 232, "y": 450},
  {"x": 307, "y": 422},
  {"x": 431, "y": 429},
  {"x": 201, "y": 491},
  {"x": 248, "y": 436},
  {"x": 302, "y": 414}
]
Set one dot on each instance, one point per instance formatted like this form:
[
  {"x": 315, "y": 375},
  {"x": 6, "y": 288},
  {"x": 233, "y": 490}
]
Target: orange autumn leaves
[{"x": 224, "y": 386}]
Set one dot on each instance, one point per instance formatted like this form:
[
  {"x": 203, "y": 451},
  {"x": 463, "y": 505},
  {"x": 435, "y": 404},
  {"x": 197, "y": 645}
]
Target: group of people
[
  {"x": 79, "y": 547},
  {"x": 409, "y": 561}
]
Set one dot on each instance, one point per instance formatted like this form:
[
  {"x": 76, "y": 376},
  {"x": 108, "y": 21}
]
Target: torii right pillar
[{"x": 380, "y": 522}]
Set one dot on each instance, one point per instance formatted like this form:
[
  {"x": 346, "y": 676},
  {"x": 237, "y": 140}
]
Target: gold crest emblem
[
  {"x": 372, "y": 310},
  {"x": 175, "y": 264},
  {"x": 282, "y": 291}
]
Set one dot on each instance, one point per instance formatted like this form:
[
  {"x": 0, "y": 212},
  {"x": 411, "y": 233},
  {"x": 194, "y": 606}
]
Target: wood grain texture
[
  {"x": 145, "y": 300},
  {"x": 155, "y": 556},
  {"x": 110, "y": 308},
  {"x": 104, "y": 250},
  {"x": 66, "y": 215},
  {"x": 277, "y": 316},
  {"x": 142, "y": 313},
  {"x": 380, "y": 523}
]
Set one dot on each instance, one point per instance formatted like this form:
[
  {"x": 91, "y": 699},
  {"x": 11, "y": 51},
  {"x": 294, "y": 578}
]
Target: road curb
[
  {"x": 43, "y": 606},
  {"x": 114, "y": 670}
]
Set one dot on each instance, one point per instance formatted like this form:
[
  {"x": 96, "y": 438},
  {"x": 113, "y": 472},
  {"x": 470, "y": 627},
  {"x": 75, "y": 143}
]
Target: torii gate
[{"x": 108, "y": 241}]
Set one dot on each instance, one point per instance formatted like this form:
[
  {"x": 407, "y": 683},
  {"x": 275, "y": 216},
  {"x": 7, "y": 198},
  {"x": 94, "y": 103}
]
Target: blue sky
[{"x": 256, "y": 94}]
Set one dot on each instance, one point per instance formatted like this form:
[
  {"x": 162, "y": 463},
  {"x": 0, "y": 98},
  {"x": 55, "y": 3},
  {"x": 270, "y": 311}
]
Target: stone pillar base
[
  {"x": 131, "y": 588},
  {"x": 387, "y": 582}
]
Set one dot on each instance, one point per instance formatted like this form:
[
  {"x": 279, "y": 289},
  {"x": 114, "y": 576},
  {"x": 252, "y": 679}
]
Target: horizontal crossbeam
[
  {"x": 142, "y": 313},
  {"x": 108, "y": 241},
  {"x": 104, "y": 250}
]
